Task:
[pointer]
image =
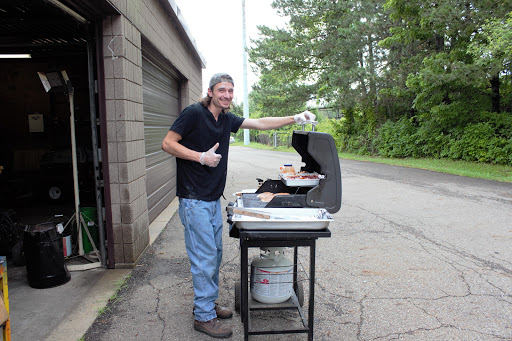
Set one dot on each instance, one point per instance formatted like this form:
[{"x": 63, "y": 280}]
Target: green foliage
[
  {"x": 395, "y": 139},
  {"x": 487, "y": 141},
  {"x": 276, "y": 97},
  {"x": 494, "y": 48},
  {"x": 478, "y": 142},
  {"x": 429, "y": 141},
  {"x": 326, "y": 126},
  {"x": 411, "y": 78}
]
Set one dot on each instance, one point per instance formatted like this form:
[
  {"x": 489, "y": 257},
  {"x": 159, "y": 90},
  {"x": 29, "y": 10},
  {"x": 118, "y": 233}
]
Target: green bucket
[{"x": 90, "y": 218}]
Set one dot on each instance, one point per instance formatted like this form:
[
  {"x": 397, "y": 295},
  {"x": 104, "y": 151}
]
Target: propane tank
[{"x": 271, "y": 276}]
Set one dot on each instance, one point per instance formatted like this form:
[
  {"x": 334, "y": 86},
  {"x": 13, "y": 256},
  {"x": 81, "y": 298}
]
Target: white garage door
[{"x": 161, "y": 107}]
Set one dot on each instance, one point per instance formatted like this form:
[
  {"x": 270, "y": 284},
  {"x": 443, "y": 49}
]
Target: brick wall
[{"x": 122, "y": 37}]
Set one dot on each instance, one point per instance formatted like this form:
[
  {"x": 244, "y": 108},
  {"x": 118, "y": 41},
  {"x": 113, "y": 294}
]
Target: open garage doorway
[{"x": 36, "y": 180}]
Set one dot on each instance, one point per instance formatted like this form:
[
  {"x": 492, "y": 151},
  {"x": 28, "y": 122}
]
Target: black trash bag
[{"x": 44, "y": 256}]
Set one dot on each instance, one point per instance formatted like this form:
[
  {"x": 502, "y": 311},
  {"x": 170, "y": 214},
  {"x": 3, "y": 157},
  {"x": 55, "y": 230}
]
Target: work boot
[
  {"x": 213, "y": 328},
  {"x": 223, "y": 312}
]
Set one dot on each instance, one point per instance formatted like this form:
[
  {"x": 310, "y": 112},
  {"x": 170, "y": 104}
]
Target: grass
[
  {"x": 120, "y": 284},
  {"x": 462, "y": 168}
]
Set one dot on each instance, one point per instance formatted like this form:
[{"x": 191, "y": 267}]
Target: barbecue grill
[
  {"x": 296, "y": 216},
  {"x": 320, "y": 156}
]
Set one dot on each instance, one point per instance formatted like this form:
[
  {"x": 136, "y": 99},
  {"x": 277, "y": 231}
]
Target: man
[{"x": 199, "y": 139}]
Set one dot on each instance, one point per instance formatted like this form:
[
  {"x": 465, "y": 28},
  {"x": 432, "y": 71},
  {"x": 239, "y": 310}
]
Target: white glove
[
  {"x": 210, "y": 158},
  {"x": 305, "y": 116}
]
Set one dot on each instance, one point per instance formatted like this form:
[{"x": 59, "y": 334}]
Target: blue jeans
[{"x": 203, "y": 241}]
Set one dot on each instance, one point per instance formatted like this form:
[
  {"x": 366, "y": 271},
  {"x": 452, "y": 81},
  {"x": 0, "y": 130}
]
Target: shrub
[
  {"x": 396, "y": 139},
  {"x": 429, "y": 141},
  {"x": 479, "y": 142}
]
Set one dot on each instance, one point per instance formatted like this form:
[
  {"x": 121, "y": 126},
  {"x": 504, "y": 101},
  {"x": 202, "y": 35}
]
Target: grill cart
[{"x": 292, "y": 212}]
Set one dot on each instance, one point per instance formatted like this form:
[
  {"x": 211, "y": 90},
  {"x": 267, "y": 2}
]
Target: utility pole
[{"x": 246, "y": 91}]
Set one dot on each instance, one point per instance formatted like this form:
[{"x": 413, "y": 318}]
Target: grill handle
[{"x": 313, "y": 125}]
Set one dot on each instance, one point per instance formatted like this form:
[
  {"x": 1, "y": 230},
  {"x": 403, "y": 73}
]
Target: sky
[{"x": 216, "y": 26}]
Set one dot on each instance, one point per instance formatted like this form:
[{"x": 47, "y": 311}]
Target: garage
[
  {"x": 119, "y": 106},
  {"x": 131, "y": 69},
  {"x": 161, "y": 107},
  {"x": 37, "y": 133}
]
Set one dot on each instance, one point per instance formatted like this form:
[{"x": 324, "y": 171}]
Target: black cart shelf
[{"x": 277, "y": 238}]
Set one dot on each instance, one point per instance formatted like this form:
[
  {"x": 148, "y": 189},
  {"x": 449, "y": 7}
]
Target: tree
[
  {"x": 329, "y": 53},
  {"x": 420, "y": 74},
  {"x": 449, "y": 86},
  {"x": 493, "y": 52}
]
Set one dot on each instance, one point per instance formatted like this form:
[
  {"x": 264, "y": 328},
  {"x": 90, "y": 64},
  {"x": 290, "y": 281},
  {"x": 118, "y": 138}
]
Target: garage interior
[{"x": 36, "y": 179}]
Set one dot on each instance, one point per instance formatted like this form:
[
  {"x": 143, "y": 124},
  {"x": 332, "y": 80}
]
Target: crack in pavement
[
  {"x": 467, "y": 267},
  {"x": 449, "y": 248}
]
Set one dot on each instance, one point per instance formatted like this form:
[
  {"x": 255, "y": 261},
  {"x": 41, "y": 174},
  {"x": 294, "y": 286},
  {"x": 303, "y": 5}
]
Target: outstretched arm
[{"x": 267, "y": 123}]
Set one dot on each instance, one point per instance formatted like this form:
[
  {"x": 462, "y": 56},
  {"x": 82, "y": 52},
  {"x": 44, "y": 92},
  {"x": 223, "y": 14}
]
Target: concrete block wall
[
  {"x": 125, "y": 133},
  {"x": 122, "y": 56}
]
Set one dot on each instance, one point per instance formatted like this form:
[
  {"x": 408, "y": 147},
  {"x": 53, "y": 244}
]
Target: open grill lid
[{"x": 320, "y": 155}]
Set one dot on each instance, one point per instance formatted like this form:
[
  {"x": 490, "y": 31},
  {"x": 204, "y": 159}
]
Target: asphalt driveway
[{"x": 414, "y": 255}]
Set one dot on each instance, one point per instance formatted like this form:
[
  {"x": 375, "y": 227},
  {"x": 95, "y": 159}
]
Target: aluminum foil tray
[
  {"x": 299, "y": 182},
  {"x": 285, "y": 219}
]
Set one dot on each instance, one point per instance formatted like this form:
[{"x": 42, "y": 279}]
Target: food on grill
[
  {"x": 303, "y": 176},
  {"x": 302, "y": 179},
  {"x": 265, "y": 196},
  {"x": 268, "y": 196}
]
